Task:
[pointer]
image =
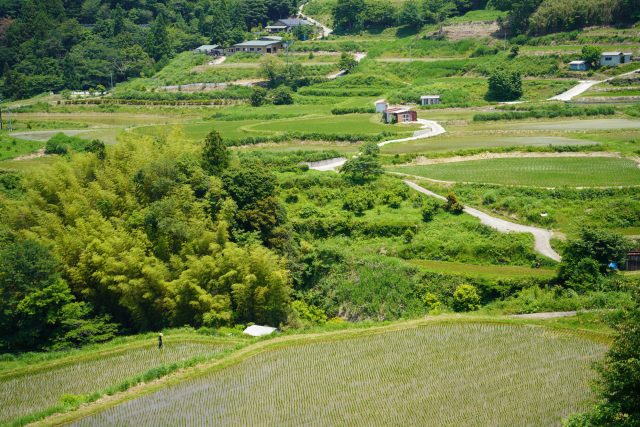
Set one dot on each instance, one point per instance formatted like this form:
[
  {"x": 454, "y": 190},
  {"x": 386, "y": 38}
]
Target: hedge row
[
  {"x": 116, "y": 101},
  {"x": 351, "y": 110},
  {"x": 310, "y": 136},
  {"x": 549, "y": 114}
]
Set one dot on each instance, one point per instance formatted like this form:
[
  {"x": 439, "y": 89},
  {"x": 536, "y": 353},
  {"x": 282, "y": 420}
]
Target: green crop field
[
  {"x": 13, "y": 147},
  {"x": 451, "y": 142},
  {"x": 36, "y": 388},
  {"x": 446, "y": 374},
  {"x": 540, "y": 172}
]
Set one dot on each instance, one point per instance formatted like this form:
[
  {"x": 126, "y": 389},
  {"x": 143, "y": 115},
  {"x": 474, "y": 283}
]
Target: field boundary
[{"x": 284, "y": 341}]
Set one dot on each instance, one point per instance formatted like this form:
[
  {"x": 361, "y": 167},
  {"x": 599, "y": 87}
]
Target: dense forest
[
  {"x": 49, "y": 45},
  {"x": 525, "y": 17}
]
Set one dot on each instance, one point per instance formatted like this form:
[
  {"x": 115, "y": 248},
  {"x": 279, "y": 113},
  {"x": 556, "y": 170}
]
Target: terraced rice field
[
  {"x": 541, "y": 172},
  {"x": 590, "y": 124},
  {"x": 446, "y": 143},
  {"x": 38, "y": 389},
  {"x": 447, "y": 374}
]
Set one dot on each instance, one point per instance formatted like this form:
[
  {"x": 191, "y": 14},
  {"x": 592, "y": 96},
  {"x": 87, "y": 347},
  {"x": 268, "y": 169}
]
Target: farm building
[
  {"x": 381, "y": 105},
  {"x": 578, "y": 65},
  {"x": 286, "y": 25},
  {"x": 430, "y": 99},
  {"x": 613, "y": 59},
  {"x": 633, "y": 260},
  {"x": 210, "y": 49},
  {"x": 399, "y": 115},
  {"x": 257, "y": 46}
]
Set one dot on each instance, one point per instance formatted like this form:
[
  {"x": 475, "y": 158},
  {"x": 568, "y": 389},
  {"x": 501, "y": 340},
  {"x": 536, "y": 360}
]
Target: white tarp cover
[{"x": 259, "y": 331}]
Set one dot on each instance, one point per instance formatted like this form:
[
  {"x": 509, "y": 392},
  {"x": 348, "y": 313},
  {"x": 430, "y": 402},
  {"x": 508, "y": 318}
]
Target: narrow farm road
[
  {"x": 358, "y": 56},
  {"x": 542, "y": 237},
  {"x": 580, "y": 88},
  {"x": 584, "y": 86},
  {"x": 429, "y": 129},
  {"x": 325, "y": 30}
]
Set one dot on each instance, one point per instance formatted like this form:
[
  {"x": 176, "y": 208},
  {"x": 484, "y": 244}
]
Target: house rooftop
[
  {"x": 577, "y": 62},
  {"x": 611, "y": 53},
  {"x": 272, "y": 38},
  {"x": 294, "y": 22},
  {"x": 257, "y": 43},
  {"x": 276, "y": 27},
  {"x": 397, "y": 110},
  {"x": 430, "y": 97},
  {"x": 208, "y": 47}
]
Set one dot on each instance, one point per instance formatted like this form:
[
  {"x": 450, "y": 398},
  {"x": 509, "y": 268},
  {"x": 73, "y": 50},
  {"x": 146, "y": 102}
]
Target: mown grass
[
  {"x": 539, "y": 172},
  {"x": 518, "y": 375},
  {"x": 13, "y": 147},
  {"x": 482, "y": 271}
]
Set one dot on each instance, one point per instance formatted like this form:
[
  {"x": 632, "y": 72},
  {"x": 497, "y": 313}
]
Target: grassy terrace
[{"x": 541, "y": 172}]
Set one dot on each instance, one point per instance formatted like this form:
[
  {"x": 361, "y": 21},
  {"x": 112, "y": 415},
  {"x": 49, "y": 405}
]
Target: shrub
[
  {"x": 258, "y": 96},
  {"x": 504, "y": 85},
  {"x": 358, "y": 201},
  {"x": 282, "y": 96},
  {"x": 466, "y": 298},
  {"x": 429, "y": 210},
  {"x": 453, "y": 205}
]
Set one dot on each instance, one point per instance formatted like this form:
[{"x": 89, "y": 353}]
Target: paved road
[
  {"x": 542, "y": 237},
  {"x": 325, "y": 30},
  {"x": 429, "y": 129},
  {"x": 580, "y": 88},
  {"x": 584, "y": 86}
]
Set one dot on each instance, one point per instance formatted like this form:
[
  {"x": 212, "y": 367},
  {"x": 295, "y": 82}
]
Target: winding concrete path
[
  {"x": 584, "y": 86},
  {"x": 325, "y": 30},
  {"x": 429, "y": 129},
  {"x": 542, "y": 237}
]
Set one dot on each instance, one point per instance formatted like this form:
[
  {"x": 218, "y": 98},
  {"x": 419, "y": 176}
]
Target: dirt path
[
  {"x": 542, "y": 237},
  {"x": 549, "y": 315},
  {"x": 30, "y": 156},
  {"x": 326, "y": 31}
]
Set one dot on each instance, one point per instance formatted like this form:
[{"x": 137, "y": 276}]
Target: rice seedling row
[
  {"x": 446, "y": 375},
  {"x": 24, "y": 394}
]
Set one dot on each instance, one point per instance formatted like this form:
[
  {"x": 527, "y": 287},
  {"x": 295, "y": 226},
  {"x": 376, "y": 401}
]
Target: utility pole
[
  {"x": 10, "y": 123},
  {"x": 111, "y": 80}
]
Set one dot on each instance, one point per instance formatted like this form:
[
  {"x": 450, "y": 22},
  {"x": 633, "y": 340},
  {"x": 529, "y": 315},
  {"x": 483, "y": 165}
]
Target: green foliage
[
  {"x": 429, "y": 210},
  {"x": 362, "y": 168},
  {"x": 38, "y": 309},
  {"x": 215, "y": 155},
  {"x": 258, "y": 96},
  {"x": 619, "y": 382},
  {"x": 453, "y": 205},
  {"x": 591, "y": 54},
  {"x": 63, "y": 144},
  {"x": 304, "y": 315},
  {"x": 554, "y": 111},
  {"x": 466, "y": 298},
  {"x": 358, "y": 201},
  {"x": 504, "y": 85},
  {"x": 348, "y": 15},
  {"x": 347, "y": 62},
  {"x": 586, "y": 260},
  {"x": 282, "y": 95}
]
